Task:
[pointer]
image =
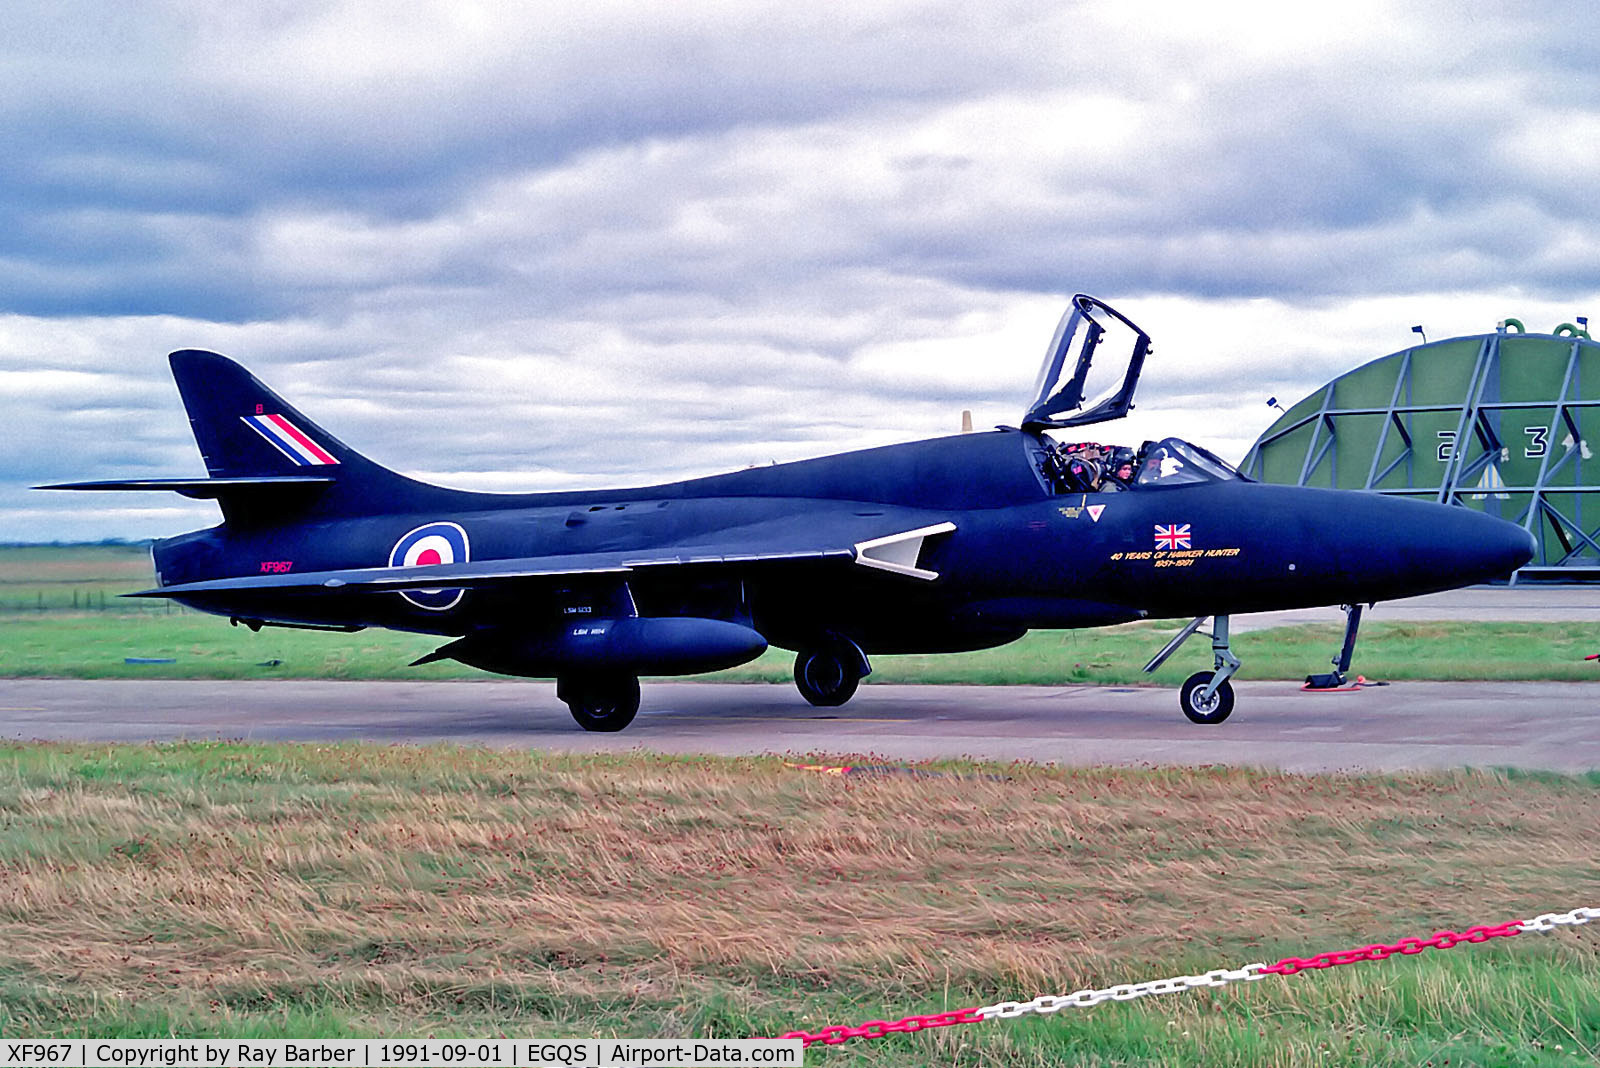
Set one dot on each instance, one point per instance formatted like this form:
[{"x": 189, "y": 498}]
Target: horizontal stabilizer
[
  {"x": 200, "y": 489},
  {"x": 269, "y": 463}
]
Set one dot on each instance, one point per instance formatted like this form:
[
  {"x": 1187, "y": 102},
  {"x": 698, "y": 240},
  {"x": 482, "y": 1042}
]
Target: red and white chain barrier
[{"x": 1046, "y": 1004}]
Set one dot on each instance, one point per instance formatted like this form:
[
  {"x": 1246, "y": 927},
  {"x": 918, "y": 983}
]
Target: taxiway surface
[{"x": 1410, "y": 725}]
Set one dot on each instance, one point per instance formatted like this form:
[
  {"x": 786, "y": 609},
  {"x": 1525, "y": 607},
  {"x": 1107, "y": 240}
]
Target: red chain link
[
  {"x": 1385, "y": 950},
  {"x": 833, "y": 1036}
]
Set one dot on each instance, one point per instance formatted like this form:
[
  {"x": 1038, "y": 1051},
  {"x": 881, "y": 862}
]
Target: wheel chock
[{"x": 1335, "y": 683}]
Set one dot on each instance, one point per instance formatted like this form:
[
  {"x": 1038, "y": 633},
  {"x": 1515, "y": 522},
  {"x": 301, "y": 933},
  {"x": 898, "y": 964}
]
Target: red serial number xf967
[{"x": 276, "y": 567}]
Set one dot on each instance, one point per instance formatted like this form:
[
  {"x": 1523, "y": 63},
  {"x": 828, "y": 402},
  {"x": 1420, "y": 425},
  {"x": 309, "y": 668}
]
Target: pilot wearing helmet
[{"x": 1121, "y": 467}]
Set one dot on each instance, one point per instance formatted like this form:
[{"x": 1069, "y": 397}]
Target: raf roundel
[{"x": 432, "y": 544}]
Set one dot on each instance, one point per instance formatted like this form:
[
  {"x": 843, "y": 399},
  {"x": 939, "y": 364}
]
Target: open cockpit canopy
[{"x": 1091, "y": 368}]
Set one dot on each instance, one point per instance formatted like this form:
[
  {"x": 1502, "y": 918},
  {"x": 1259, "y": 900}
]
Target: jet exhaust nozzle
[{"x": 675, "y": 645}]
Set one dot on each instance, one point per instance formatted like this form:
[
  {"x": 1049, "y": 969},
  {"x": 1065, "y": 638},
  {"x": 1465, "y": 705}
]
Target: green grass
[
  {"x": 42, "y": 634},
  {"x": 1115, "y": 655},
  {"x": 37, "y": 578},
  {"x": 94, "y": 645},
  {"x": 236, "y": 890}
]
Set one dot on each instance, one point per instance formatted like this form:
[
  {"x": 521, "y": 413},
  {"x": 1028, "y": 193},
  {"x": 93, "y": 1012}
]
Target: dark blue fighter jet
[{"x": 951, "y": 544}]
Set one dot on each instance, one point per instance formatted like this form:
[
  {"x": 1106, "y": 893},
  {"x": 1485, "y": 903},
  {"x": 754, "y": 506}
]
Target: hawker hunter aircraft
[{"x": 950, "y": 544}]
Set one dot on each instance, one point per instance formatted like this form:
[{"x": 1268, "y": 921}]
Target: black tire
[
  {"x": 605, "y": 705},
  {"x": 826, "y": 678},
  {"x": 1200, "y": 710}
]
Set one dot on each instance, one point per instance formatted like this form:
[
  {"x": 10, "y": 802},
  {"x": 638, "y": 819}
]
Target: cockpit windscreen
[
  {"x": 1175, "y": 462},
  {"x": 1087, "y": 467}
]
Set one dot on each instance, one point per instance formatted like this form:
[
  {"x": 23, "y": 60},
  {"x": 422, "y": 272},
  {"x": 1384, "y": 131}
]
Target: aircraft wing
[{"x": 896, "y": 550}]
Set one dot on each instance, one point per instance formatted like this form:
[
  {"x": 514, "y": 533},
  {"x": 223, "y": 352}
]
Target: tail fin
[{"x": 246, "y": 431}]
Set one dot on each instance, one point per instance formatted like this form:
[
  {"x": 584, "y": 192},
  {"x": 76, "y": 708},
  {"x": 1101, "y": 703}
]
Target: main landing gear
[
  {"x": 828, "y": 673},
  {"x": 599, "y": 702},
  {"x": 1206, "y": 696}
]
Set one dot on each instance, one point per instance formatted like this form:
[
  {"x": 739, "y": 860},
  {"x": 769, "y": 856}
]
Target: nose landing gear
[{"x": 1206, "y": 696}]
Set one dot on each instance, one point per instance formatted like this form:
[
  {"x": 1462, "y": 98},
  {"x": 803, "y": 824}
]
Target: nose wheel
[
  {"x": 1201, "y": 708},
  {"x": 1206, "y": 696}
]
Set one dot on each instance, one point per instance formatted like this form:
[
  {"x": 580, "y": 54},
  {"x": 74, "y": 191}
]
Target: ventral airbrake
[{"x": 944, "y": 545}]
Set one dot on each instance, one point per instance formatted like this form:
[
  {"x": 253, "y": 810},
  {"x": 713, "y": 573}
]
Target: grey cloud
[
  {"x": 644, "y": 242},
  {"x": 225, "y": 116}
]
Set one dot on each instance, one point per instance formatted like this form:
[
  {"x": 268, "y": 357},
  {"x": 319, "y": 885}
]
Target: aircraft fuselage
[
  {"x": 949, "y": 544},
  {"x": 1021, "y": 556}
]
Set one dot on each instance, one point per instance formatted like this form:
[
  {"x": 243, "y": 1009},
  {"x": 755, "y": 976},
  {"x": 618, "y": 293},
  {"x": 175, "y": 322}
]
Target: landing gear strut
[
  {"x": 827, "y": 674},
  {"x": 1206, "y": 696},
  {"x": 600, "y": 703},
  {"x": 1341, "y": 663}
]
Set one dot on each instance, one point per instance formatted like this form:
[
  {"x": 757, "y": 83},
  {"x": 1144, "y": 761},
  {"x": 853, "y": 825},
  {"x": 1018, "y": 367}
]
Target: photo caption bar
[{"x": 401, "y": 1053}]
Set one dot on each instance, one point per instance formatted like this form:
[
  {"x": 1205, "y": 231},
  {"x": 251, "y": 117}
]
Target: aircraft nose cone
[
  {"x": 1393, "y": 547},
  {"x": 1472, "y": 547},
  {"x": 1517, "y": 548}
]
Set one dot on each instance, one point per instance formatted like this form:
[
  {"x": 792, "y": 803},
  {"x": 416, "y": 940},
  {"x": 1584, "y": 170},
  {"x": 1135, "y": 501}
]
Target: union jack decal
[{"x": 1172, "y": 536}]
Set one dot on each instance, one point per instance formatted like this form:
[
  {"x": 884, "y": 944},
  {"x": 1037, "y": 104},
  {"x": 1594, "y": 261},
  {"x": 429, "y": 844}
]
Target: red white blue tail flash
[
  {"x": 430, "y": 545},
  {"x": 289, "y": 440}
]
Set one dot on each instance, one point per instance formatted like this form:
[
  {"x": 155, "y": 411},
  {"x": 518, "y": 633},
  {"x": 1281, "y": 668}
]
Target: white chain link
[
  {"x": 1083, "y": 999},
  {"x": 1551, "y": 920},
  {"x": 1046, "y": 1004}
]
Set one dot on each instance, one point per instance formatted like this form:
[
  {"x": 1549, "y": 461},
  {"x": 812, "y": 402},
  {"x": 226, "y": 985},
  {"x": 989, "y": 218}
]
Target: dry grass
[{"x": 401, "y": 891}]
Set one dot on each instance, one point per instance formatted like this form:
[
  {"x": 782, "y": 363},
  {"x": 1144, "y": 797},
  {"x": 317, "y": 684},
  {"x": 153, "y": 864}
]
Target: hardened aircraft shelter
[{"x": 1499, "y": 423}]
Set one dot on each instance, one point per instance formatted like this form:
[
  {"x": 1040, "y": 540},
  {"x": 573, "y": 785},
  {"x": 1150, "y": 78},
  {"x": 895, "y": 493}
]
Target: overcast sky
[{"x": 534, "y": 246}]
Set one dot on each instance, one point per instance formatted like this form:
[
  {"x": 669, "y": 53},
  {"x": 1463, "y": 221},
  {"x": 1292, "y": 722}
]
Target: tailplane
[
  {"x": 246, "y": 431},
  {"x": 268, "y": 462}
]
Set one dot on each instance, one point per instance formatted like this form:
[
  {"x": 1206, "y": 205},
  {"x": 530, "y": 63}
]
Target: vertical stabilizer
[{"x": 246, "y": 431}]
